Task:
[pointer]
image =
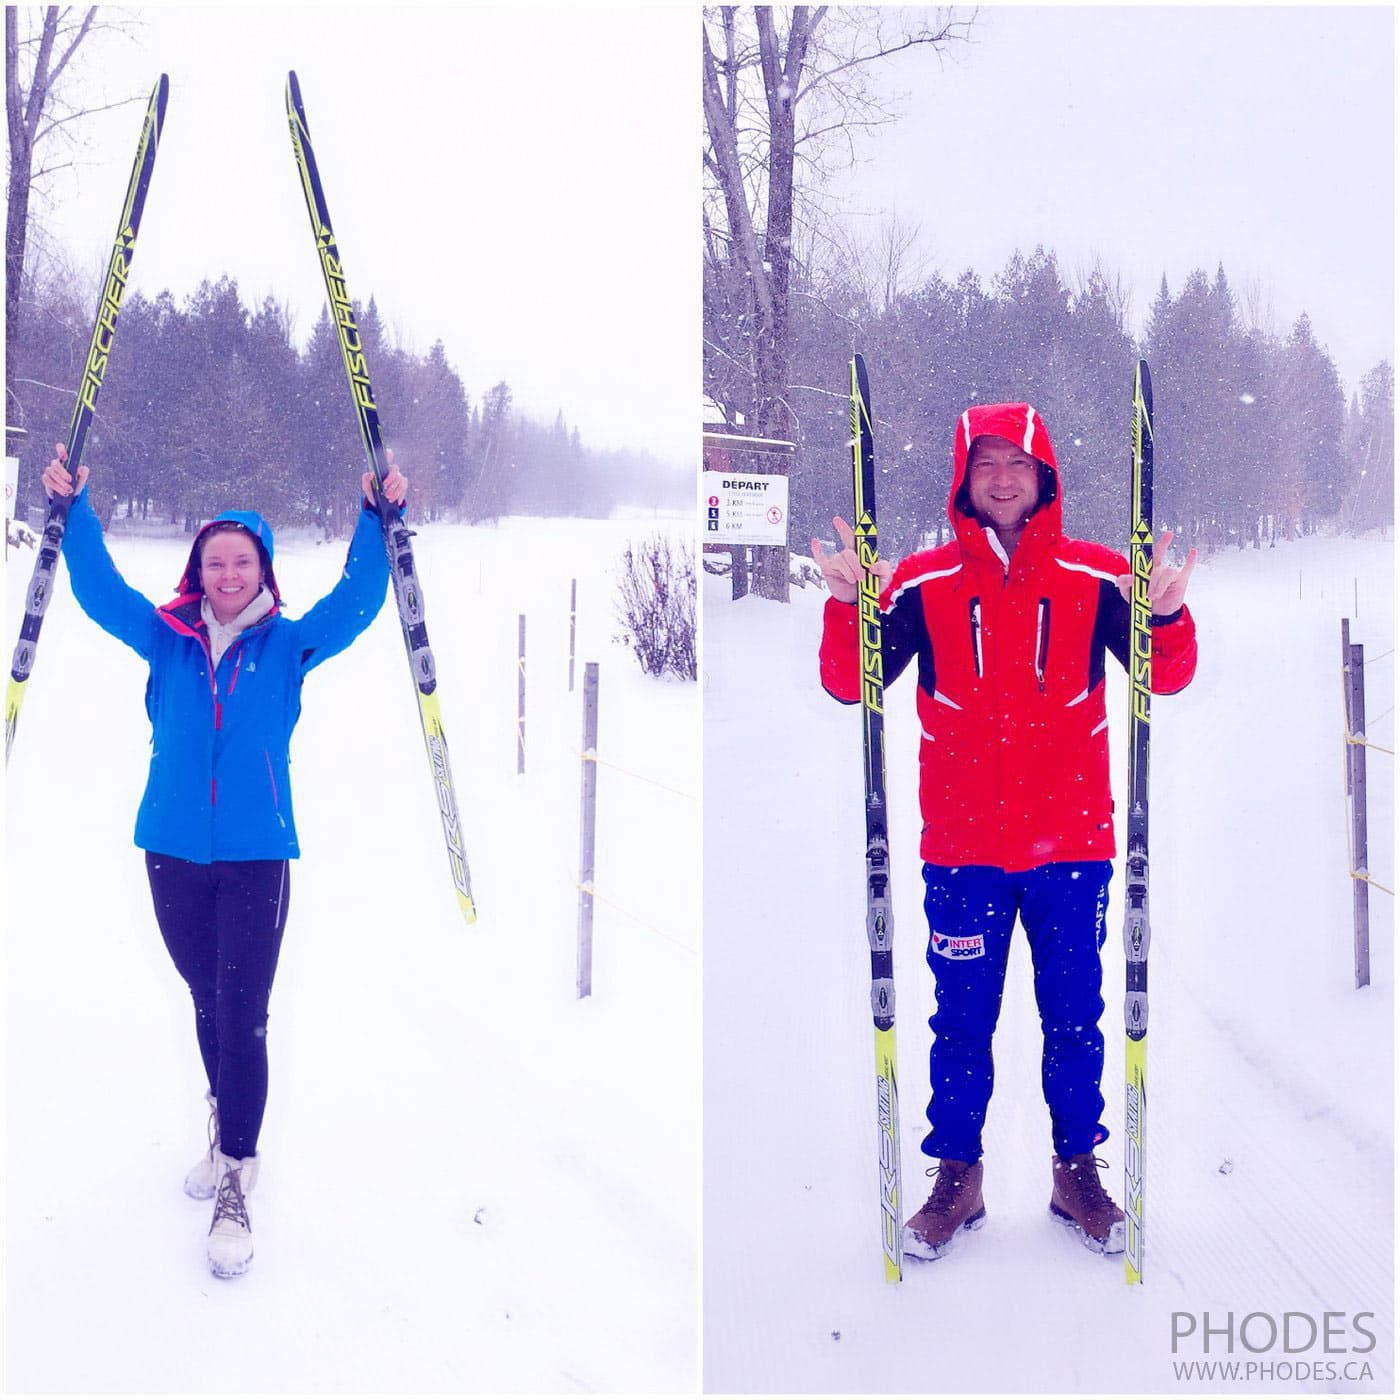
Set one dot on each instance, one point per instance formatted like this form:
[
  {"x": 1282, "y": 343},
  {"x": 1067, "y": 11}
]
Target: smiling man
[{"x": 1010, "y": 625}]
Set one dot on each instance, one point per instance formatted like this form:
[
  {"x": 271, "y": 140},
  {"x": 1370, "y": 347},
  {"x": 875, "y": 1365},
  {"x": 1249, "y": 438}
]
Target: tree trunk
[
  {"x": 25, "y": 114},
  {"x": 782, "y": 73},
  {"x": 21, "y": 136}
]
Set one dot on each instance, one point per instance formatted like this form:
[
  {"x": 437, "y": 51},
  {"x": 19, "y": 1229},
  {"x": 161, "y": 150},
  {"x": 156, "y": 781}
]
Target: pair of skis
[
  {"x": 879, "y": 915},
  {"x": 397, "y": 537}
]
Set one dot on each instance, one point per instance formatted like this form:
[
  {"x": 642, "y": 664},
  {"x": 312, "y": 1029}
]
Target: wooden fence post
[
  {"x": 588, "y": 811},
  {"x": 1361, "y": 894},
  {"x": 573, "y": 623},
  {"x": 1346, "y": 705},
  {"x": 520, "y": 701}
]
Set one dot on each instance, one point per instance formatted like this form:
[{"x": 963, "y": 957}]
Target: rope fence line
[
  {"x": 1367, "y": 880},
  {"x": 638, "y": 919},
  {"x": 1381, "y": 657},
  {"x": 588, "y": 888},
  {"x": 561, "y": 751},
  {"x": 587, "y": 756},
  {"x": 1361, "y": 741},
  {"x": 640, "y": 777}
]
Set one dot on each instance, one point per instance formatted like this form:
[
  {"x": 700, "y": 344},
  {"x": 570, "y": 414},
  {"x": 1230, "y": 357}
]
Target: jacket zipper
[
  {"x": 974, "y": 610},
  {"x": 233, "y": 681},
  {"x": 1042, "y": 641}
]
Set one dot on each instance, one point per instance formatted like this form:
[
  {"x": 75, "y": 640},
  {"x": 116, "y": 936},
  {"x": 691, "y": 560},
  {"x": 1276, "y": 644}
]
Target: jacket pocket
[{"x": 272, "y": 783}]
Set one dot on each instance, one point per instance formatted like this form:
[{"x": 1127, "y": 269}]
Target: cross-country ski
[
  {"x": 398, "y": 546},
  {"x": 879, "y": 910},
  {"x": 104, "y": 332}
]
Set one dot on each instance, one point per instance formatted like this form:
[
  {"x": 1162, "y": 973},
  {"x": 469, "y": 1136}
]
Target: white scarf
[{"x": 222, "y": 635}]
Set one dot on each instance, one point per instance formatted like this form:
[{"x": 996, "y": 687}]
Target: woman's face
[{"x": 230, "y": 573}]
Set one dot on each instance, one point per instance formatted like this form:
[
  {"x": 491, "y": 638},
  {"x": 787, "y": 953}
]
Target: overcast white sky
[
  {"x": 524, "y": 182},
  {"x": 1161, "y": 139},
  {"x": 521, "y": 183}
]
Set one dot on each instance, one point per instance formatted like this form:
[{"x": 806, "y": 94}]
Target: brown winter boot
[
  {"x": 956, "y": 1204},
  {"x": 1080, "y": 1201}
]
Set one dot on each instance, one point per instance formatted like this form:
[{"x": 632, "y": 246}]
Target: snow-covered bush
[
  {"x": 656, "y": 606},
  {"x": 17, "y": 533}
]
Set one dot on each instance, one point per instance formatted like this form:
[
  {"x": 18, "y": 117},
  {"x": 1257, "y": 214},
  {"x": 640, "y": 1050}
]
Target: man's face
[{"x": 1003, "y": 483}]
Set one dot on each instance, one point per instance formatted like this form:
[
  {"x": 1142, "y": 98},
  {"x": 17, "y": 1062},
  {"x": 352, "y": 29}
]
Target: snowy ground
[
  {"x": 1270, "y": 1140},
  {"x": 472, "y": 1181}
]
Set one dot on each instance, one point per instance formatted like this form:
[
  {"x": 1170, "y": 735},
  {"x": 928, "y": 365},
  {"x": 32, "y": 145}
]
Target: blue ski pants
[
  {"x": 222, "y": 924},
  {"x": 972, "y": 913}
]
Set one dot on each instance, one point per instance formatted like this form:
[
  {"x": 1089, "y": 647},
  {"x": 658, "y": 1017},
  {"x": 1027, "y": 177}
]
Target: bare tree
[
  {"x": 880, "y": 266},
  {"x": 785, "y": 101},
  {"x": 1258, "y": 307},
  {"x": 41, "y": 45},
  {"x": 1099, "y": 280}
]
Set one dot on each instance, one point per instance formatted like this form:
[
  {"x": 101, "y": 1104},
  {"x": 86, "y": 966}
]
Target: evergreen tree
[
  {"x": 1308, "y": 483},
  {"x": 329, "y": 454},
  {"x": 492, "y": 475},
  {"x": 273, "y": 372},
  {"x": 439, "y": 428},
  {"x": 1370, "y": 452}
]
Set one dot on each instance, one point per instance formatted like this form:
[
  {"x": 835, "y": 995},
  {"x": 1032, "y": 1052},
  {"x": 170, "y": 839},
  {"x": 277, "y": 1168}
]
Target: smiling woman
[
  {"x": 233, "y": 566},
  {"x": 216, "y": 819},
  {"x": 492, "y": 252}
]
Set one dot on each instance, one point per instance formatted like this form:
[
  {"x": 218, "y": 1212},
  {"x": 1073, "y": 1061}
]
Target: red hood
[{"x": 1018, "y": 423}]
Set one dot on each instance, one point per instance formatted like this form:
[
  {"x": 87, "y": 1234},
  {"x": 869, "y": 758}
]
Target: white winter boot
[
  {"x": 230, "y": 1243},
  {"x": 199, "y": 1180}
]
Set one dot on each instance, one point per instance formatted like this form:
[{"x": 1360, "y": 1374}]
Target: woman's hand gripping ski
[
  {"x": 842, "y": 570},
  {"x": 1166, "y": 583},
  {"x": 57, "y": 479},
  {"x": 395, "y": 484}
]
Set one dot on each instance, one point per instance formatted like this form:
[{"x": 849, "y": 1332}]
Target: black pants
[{"x": 223, "y": 926}]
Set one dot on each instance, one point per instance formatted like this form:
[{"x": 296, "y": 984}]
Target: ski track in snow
[
  {"x": 471, "y": 1180},
  {"x": 1260, "y": 1052}
]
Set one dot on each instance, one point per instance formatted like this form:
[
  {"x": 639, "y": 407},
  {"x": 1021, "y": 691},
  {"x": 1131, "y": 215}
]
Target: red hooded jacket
[{"x": 1013, "y": 762}]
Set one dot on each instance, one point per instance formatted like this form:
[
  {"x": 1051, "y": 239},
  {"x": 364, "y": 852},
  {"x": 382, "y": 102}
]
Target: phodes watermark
[{"x": 1268, "y": 1346}]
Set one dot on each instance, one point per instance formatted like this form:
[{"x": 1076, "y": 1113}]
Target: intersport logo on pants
[{"x": 948, "y": 947}]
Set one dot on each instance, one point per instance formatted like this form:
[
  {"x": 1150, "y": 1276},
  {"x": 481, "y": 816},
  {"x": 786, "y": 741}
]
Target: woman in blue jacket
[{"x": 216, "y": 820}]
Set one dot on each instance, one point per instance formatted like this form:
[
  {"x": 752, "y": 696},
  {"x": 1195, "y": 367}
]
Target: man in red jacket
[{"x": 1010, "y": 625}]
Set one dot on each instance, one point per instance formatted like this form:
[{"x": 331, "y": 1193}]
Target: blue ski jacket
[{"x": 219, "y": 786}]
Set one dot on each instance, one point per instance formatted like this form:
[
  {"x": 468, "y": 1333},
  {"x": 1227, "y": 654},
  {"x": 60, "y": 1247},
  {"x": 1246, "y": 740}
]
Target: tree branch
[
  {"x": 924, "y": 36},
  {"x": 73, "y": 47},
  {"x": 87, "y": 112},
  {"x": 732, "y": 183},
  {"x": 49, "y": 170}
]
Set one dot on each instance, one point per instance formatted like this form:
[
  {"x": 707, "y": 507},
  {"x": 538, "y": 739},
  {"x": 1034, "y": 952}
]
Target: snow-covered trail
[
  {"x": 1270, "y": 1141},
  {"x": 460, "y": 1188}
]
